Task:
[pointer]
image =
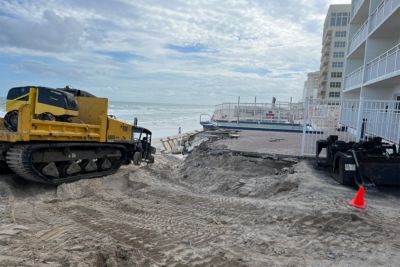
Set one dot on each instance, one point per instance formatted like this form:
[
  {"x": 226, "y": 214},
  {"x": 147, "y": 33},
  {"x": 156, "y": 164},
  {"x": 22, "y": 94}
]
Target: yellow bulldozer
[{"x": 55, "y": 136}]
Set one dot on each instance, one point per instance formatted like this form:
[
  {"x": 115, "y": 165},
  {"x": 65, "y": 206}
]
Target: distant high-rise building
[
  {"x": 311, "y": 85},
  {"x": 334, "y": 47},
  {"x": 373, "y": 56}
]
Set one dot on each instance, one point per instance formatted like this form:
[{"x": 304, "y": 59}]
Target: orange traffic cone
[{"x": 359, "y": 201}]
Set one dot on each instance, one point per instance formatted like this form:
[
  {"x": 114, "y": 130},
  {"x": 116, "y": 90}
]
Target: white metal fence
[
  {"x": 382, "y": 119},
  {"x": 321, "y": 118},
  {"x": 345, "y": 118},
  {"x": 261, "y": 112}
]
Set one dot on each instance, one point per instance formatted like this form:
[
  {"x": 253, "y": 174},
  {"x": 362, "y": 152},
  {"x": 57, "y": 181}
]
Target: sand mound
[{"x": 236, "y": 175}]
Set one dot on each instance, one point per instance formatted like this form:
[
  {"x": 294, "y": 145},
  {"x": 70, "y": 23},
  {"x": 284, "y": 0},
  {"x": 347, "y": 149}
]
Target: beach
[{"x": 213, "y": 207}]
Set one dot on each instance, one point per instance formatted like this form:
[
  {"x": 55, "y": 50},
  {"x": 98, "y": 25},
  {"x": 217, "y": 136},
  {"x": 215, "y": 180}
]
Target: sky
[{"x": 158, "y": 51}]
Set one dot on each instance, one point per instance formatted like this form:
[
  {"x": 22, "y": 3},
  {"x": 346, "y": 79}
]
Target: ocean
[{"x": 162, "y": 119}]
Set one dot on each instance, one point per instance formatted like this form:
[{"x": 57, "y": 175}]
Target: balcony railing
[
  {"x": 354, "y": 79},
  {"x": 325, "y": 59},
  {"x": 326, "y": 52},
  {"x": 327, "y": 40},
  {"x": 382, "y": 12},
  {"x": 359, "y": 37},
  {"x": 356, "y": 6},
  {"x": 387, "y": 63},
  {"x": 324, "y": 69}
]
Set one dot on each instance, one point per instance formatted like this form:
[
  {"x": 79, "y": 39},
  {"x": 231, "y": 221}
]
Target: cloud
[
  {"x": 176, "y": 50},
  {"x": 120, "y": 56},
  {"x": 50, "y": 33},
  {"x": 191, "y": 48}
]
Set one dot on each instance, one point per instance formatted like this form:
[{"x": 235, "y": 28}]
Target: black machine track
[
  {"x": 4, "y": 168},
  {"x": 20, "y": 158}
]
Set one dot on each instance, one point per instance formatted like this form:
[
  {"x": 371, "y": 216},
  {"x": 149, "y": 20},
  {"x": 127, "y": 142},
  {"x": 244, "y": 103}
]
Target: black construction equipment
[{"x": 366, "y": 162}]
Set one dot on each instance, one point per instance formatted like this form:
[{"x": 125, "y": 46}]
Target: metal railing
[
  {"x": 322, "y": 116},
  {"x": 345, "y": 118},
  {"x": 356, "y": 6},
  {"x": 354, "y": 79},
  {"x": 383, "y": 11},
  {"x": 359, "y": 37},
  {"x": 349, "y": 114},
  {"x": 259, "y": 112},
  {"x": 384, "y": 64},
  {"x": 324, "y": 68},
  {"x": 382, "y": 118}
]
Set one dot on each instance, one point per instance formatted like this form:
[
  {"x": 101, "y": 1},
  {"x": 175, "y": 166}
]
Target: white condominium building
[
  {"x": 311, "y": 85},
  {"x": 373, "y": 57},
  {"x": 334, "y": 47}
]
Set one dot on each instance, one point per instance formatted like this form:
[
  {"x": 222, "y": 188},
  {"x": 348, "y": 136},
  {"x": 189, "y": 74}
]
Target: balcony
[
  {"x": 323, "y": 80},
  {"x": 321, "y": 93},
  {"x": 326, "y": 49},
  {"x": 327, "y": 40},
  {"x": 324, "y": 69},
  {"x": 325, "y": 59},
  {"x": 359, "y": 37},
  {"x": 356, "y": 6},
  {"x": 354, "y": 79},
  {"x": 386, "y": 64},
  {"x": 382, "y": 12}
]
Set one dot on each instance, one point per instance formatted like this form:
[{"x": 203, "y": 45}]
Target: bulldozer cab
[
  {"x": 47, "y": 103},
  {"x": 17, "y": 97},
  {"x": 50, "y": 100}
]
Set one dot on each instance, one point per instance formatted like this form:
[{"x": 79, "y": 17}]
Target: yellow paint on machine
[
  {"x": 39, "y": 108},
  {"x": 118, "y": 131},
  {"x": 90, "y": 125}
]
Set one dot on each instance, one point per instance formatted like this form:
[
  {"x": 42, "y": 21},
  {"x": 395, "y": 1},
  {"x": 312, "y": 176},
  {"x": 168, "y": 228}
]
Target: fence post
[
  {"x": 305, "y": 121},
  {"x": 238, "y": 110},
  {"x": 359, "y": 119}
]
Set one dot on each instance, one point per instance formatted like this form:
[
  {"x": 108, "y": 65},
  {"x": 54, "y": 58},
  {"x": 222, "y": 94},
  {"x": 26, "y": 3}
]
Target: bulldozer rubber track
[
  {"x": 18, "y": 159},
  {"x": 4, "y": 169}
]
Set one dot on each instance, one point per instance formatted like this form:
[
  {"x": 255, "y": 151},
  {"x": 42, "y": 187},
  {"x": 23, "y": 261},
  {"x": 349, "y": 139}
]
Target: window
[
  {"x": 338, "y": 54},
  {"x": 333, "y": 21},
  {"x": 340, "y": 34},
  {"x": 397, "y": 98},
  {"x": 336, "y": 74},
  {"x": 335, "y": 84},
  {"x": 334, "y": 94},
  {"x": 339, "y": 44},
  {"x": 340, "y": 18},
  {"x": 337, "y": 64}
]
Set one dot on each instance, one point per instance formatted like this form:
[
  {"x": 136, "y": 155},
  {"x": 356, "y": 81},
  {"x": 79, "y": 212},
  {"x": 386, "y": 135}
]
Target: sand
[{"x": 211, "y": 208}]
